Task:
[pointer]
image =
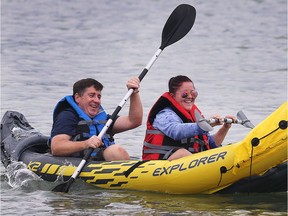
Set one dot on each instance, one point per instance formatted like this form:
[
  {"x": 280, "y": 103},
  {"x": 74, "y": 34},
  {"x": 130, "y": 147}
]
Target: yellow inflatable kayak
[{"x": 258, "y": 163}]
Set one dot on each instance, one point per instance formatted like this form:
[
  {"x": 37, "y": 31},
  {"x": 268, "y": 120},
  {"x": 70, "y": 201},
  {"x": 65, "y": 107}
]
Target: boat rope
[
  {"x": 256, "y": 141},
  {"x": 223, "y": 169},
  {"x": 282, "y": 125}
]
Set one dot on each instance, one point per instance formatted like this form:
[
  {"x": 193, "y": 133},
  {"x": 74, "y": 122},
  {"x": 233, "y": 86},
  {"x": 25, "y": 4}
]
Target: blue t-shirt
[
  {"x": 65, "y": 123},
  {"x": 169, "y": 123}
]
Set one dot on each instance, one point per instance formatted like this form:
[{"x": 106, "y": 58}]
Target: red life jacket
[{"x": 159, "y": 146}]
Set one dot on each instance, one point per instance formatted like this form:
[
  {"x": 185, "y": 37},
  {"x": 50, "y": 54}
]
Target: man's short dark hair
[{"x": 80, "y": 86}]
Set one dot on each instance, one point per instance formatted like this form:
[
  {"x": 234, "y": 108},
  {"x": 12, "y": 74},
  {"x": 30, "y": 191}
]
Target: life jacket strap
[
  {"x": 91, "y": 122},
  {"x": 183, "y": 141},
  {"x": 154, "y": 132},
  {"x": 167, "y": 151},
  {"x": 192, "y": 140}
]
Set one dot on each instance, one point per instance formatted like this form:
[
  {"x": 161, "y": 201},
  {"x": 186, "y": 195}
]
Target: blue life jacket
[{"x": 95, "y": 125}]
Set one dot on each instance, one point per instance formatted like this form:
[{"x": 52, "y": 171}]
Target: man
[{"x": 78, "y": 119}]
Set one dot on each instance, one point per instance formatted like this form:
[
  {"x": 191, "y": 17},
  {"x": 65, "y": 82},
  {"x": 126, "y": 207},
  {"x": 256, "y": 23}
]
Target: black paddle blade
[
  {"x": 64, "y": 187},
  {"x": 178, "y": 24}
]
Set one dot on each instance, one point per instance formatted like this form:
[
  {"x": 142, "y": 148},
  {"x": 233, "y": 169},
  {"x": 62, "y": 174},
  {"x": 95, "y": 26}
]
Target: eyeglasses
[{"x": 193, "y": 93}]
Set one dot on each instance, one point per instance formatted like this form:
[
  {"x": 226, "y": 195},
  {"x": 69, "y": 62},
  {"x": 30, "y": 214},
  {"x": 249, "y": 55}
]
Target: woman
[{"x": 172, "y": 131}]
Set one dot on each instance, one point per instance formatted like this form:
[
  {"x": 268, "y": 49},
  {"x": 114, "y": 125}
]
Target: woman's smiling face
[{"x": 185, "y": 95}]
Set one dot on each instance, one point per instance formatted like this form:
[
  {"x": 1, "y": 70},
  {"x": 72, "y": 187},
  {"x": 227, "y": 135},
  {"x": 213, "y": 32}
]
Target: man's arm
[
  {"x": 61, "y": 145},
  {"x": 135, "y": 116}
]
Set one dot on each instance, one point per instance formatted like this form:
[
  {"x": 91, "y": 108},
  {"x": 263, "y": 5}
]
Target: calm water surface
[{"x": 236, "y": 53}]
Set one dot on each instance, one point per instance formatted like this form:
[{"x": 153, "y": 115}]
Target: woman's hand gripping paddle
[
  {"x": 176, "y": 27},
  {"x": 204, "y": 124}
]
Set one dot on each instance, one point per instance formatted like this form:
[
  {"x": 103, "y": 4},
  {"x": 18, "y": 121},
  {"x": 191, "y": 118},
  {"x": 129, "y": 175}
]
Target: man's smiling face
[{"x": 89, "y": 101}]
